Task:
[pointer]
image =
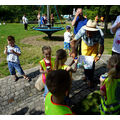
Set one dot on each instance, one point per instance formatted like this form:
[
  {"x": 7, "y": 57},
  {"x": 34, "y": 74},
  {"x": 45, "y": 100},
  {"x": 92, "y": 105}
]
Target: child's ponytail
[
  {"x": 114, "y": 63},
  {"x": 60, "y": 55},
  {"x": 112, "y": 74}
]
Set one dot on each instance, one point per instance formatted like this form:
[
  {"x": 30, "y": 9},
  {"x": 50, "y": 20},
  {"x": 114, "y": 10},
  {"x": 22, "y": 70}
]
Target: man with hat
[{"x": 92, "y": 45}]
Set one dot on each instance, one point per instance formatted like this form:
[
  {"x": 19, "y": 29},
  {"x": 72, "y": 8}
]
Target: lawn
[
  {"x": 31, "y": 53},
  {"x": 31, "y": 50}
]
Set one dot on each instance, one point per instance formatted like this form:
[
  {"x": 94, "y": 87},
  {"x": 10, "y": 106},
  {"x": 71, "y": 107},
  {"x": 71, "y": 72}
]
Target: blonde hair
[
  {"x": 60, "y": 58},
  {"x": 114, "y": 67}
]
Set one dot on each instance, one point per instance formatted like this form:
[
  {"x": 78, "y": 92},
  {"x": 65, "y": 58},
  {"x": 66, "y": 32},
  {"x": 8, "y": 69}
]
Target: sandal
[{"x": 25, "y": 77}]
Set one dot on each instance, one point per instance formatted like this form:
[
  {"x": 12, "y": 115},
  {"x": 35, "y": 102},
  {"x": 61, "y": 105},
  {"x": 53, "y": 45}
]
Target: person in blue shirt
[
  {"x": 42, "y": 20},
  {"x": 78, "y": 22}
]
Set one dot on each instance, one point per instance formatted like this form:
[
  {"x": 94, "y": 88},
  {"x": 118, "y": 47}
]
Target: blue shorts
[
  {"x": 66, "y": 46},
  {"x": 15, "y": 66}
]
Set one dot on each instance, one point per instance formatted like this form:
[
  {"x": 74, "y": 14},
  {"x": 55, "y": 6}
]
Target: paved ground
[{"x": 21, "y": 97}]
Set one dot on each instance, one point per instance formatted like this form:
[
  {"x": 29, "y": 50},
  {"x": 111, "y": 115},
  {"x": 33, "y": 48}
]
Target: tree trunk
[{"x": 107, "y": 10}]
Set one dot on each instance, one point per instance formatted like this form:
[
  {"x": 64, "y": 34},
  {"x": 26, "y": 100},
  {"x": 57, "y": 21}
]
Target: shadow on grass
[{"x": 54, "y": 38}]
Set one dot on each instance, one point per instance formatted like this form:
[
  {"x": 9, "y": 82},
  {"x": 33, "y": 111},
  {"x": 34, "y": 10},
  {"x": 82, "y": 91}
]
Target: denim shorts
[
  {"x": 66, "y": 46},
  {"x": 15, "y": 66}
]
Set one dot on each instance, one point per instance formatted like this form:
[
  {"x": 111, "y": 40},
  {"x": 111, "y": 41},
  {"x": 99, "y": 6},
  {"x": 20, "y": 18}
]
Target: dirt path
[{"x": 43, "y": 40}]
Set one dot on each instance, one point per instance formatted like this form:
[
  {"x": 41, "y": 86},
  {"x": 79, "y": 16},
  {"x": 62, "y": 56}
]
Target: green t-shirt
[{"x": 55, "y": 109}]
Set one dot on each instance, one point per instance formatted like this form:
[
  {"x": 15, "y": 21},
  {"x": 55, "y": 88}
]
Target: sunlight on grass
[
  {"x": 108, "y": 45},
  {"x": 31, "y": 53}
]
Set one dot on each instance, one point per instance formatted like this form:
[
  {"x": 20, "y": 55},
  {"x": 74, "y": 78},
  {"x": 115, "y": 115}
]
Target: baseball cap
[{"x": 68, "y": 27}]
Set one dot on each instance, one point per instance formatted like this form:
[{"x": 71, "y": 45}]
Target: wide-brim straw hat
[{"x": 91, "y": 26}]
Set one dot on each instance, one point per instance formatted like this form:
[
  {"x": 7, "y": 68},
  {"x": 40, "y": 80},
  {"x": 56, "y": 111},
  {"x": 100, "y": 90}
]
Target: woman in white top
[{"x": 116, "y": 30}]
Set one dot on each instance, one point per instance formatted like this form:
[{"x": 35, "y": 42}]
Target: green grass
[{"x": 31, "y": 54}]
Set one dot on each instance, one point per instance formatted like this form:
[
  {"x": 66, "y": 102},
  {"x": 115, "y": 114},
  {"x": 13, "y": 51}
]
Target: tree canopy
[{"x": 14, "y": 13}]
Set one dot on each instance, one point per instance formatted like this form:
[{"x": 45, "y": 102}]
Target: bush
[{"x": 91, "y": 14}]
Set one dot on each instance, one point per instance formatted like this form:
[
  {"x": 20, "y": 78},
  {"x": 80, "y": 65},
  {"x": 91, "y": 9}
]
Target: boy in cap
[{"x": 67, "y": 38}]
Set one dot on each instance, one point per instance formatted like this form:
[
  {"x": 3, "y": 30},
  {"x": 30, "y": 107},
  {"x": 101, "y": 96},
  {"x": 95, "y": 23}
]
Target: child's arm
[
  {"x": 71, "y": 34},
  {"x": 5, "y": 51},
  {"x": 75, "y": 68},
  {"x": 72, "y": 62},
  {"x": 18, "y": 54},
  {"x": 71, "y": 69}
]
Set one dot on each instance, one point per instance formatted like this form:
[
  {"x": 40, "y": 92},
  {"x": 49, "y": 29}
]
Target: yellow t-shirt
[{"x": 89, "y": 50}]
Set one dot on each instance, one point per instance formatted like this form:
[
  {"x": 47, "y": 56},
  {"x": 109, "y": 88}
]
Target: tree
[
  {"x": 14, "y": 13},
  {"x": 107, "y": 10}
]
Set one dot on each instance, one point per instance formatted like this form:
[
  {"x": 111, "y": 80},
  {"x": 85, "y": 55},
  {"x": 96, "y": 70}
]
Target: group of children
[
  {"x": 58, "y": 74},
  {"x": 57, "y": 79}
]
